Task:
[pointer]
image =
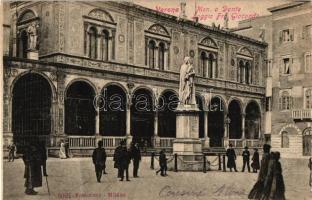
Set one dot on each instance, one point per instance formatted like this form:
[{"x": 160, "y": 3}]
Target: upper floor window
[
  {"x": 244, "y": 71},
  {"x": 285, "y": 101},
  {"x": 286, "y": 35},
  {"x": 100, "y": 31},
  {"x": 308, "y": 62},
  {"x": 92, "y": 42},
  {"x": 285, "y": 140},
  {"x": 27, "y": 33},
  {"x": 157, "y": 41},
  {"x": 308, "y": 99},
  {"x": 307, "y": 31},
  {"x": 208, "y": 62},
  {"x": 208, "y": 50}
]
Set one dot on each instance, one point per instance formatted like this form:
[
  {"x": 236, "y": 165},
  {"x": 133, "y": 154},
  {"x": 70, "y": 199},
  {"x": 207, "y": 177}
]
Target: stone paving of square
[{"x": 74, "y": 179}]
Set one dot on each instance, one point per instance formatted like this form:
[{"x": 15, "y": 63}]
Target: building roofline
[
  {"x": 190, "y": 22},
  {"x": 286, "y": 6},
  {"x": 240, "y": 28}
]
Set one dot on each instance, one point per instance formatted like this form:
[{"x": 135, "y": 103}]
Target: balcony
[{"x": 301, "y": 114}]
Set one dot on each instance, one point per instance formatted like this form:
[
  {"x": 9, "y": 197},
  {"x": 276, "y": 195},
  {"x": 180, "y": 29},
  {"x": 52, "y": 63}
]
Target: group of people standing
[
  {"x": 270, "y": 183},
  {"x": 122, "y": 159},
  {"x": 231, "y": 161}
]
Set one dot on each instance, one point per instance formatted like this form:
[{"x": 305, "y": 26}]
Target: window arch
[
  {"x": 104, "y": 45},
  {"x": 285, "y": 140},
  {"x": 161, "y": 56},
  {"x": 92, "y": 42},
  {"x": 285, "y": 101},
  {"x": 204, "y": 63},
  {"x": 151, "y": 53},
  {"x": 308, "y": 98}
]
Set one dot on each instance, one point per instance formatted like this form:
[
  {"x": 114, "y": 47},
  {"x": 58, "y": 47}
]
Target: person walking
[
  {"x": 99, "y": 160},
  {"x": 12, "y": 149},
  {"x": 117, "y": 158},
  {"x": 255, "y": 161},
  {"x": 33, "y": 174},
  {"x": 310, "y": 167},
  {"x": 246, "y": 158},
  {"x": 258, "y": 188},
  {"x": 136, "y": 156},
  {"x": 230, "y": 153},
  {"x": 162, "y": 164},
  {"x": 124, "y": 161}
]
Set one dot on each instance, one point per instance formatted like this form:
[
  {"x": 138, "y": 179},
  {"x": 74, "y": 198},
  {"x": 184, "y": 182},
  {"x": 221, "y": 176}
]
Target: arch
[
  {"x": 167, "y": 104},
  {"x": 31, "y": 109},
  {"x": 254, "y": 102},
  {"x": 245, "y": 51},
  {"x": 81, "y": 80},
  {"x": 284, "y": 139},
  {"x": 200, "y": 101},
  {"x": 112, "y": 111},
  {"x": 80, "y": 110},
  {"x": 216, "y": 121},
  {"x": 289, "y": 128},
  {"x": 34, "y": 72},
  {"x": 307, "y": 141},
  {"x": 116, "y": 84},
  {"x": 26, "y": 15},
  {"x": 101, "y": 14},
  {"x": 208, "y": 41},
  {"x": 142, "y": 115},
  {"x": 221, "y": 99},
  {"x": 159, "y": 29},
  {"x": 252, "y": 120},
  {"x": 235, "y": 115}
]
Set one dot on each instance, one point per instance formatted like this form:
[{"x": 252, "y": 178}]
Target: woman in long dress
[{"x": 62, "y": 153}]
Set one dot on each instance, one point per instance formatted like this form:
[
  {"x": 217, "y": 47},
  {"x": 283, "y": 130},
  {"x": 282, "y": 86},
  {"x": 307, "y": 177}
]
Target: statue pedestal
[
  {"x": 32, "y": 54},
  {"x": 187, "y": 144}
]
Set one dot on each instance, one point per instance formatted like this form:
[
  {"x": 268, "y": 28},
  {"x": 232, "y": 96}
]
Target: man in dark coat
[
  {"x": 99, "y": 159},
  {"x": 162, "y": 163},
  {"x": 116, "y": 158},
  {"x": 124, "y": 161},
  {"x": 246, "y": 158},
  {"x": 136, "y": 156},
  {"x": 258, "y": 188},
  {"x": 33, "y": 174},
  {"x": 230, "y": 153},
  {"x": 255, "y": 161}
]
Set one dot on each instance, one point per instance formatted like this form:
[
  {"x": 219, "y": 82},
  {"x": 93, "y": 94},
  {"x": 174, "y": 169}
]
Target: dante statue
[
  {"x": 32, "y": 31},
  {"x": 187, "y": 86}
]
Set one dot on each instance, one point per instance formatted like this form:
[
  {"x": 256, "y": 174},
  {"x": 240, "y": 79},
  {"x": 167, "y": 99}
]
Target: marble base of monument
[
  {"x": 33, "y": 54},
  {"x": 187, "y": 144}
]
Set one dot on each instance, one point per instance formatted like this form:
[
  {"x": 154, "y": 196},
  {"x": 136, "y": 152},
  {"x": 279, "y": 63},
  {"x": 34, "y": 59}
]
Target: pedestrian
[
  {"x": 310, "y": 167},
  {"x": 99, "y": 160},
  {"x": 116, "y": 158},
  {"x": 33, "y": 174},
  {"x": 136, "y": 156},
  {"x": 124, "y": 161},
  {"x": 44, "y": 158},
  {"x": 12, "y": 149},
  {"x": 246, "y": 158},
  {"x": 258, "y": 188},
  {"x": 269, "y": 178},
  {"x": 255, "y": 161},
  {"x": 230, "y": 153},
  {"x": 277, "y": 187},
  {"x": 162, "y": 163},
  {"x": 62, "y": 152}
]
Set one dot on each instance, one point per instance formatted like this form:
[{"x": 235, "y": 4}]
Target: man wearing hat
[
  {"x": 246, "y": 156},
  {"x": 99, "y": 159}
]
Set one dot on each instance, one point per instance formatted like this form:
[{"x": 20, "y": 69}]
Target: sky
[{"x": 213, "y": 11}]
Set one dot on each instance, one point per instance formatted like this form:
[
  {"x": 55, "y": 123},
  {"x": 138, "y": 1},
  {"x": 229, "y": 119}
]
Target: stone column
[
  {"x": 128, "y": 123},
  {"x": 110, "y": 48},
  {"x": 207, "y": 139},
  {"x": 87, "y": 43},
  {"x": 147, "y": 52},
  {"x": 166, "y": 58},
  {"x": 226, "y": 135},
  {"x": 156, "y": 137},
  {"x": 156, "y": 58},
  {"x": 97, "y": 121},
  {"x": 243, "y": 129},
  {"x": 61, "y": 108},
  {"x": 99, "y": 44}
]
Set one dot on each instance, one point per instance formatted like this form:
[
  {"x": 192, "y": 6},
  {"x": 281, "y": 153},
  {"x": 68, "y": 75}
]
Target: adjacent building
[
  {"x": 88, "y": 71},
  {"x": 288, "y": 31}
]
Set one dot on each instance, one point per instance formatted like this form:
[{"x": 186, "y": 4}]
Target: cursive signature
[
  {"x": 225, "y": 190},
  {"x": 168, "y": 191}
]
